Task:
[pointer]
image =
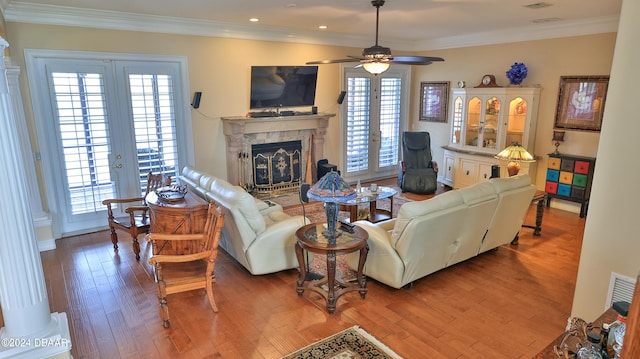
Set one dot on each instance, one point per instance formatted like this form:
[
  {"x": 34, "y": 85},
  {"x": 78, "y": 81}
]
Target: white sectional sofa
[
  {"x": 258, "y": 234},
  {"x": 427, "y": 236}
]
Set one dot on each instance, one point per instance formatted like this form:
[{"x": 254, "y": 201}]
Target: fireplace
[
  {"x": 277, "y": 168},
  {"x": 242, "y": 133}
]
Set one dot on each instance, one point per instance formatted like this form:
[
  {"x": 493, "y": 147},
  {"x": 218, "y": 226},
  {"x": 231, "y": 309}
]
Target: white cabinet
[
  {"x": 483, "y": 122},
  {"x": 449, "y": 168}
]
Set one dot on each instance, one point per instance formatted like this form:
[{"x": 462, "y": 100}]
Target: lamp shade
[
  {"x": 332, "y": 190},
  {"x": 515, "y": 154},
  {"x": 558, "y": 136}
]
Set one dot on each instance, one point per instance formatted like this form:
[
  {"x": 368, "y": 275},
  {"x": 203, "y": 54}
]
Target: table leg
[
  {"x": 539, "y": 213},
  {"x": 362, "y": 281},
  {"x": 303, "y": 269},
  {"x": 331, "y": 281},
  {"x": 373, "y": 206}
]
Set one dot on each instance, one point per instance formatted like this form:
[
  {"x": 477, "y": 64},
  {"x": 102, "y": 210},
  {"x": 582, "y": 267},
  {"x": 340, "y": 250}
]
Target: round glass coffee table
[
  {"x": 367, "y": 196},
  {"x": 310, "y": 238}
]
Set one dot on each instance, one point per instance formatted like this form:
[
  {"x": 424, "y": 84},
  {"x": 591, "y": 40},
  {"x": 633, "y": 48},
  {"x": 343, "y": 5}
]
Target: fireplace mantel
[{"x": 240, "y": 132}]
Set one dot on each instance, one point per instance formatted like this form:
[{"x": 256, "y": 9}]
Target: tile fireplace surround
[{"x": 242, "y": 132}]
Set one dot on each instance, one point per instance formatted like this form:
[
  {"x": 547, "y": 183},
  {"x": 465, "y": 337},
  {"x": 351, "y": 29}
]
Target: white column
[
  {"x": 41, "y": 219},
  {"x": 30, "y": 330}
]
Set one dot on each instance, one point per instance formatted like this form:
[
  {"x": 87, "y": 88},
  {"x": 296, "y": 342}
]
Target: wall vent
[
  {"x": 620, "y": 288},
  {"x": 538, "y": 5}
]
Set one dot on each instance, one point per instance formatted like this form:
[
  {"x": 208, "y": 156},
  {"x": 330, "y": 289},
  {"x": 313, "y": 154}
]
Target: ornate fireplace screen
[{"x": 276, "y": 168}]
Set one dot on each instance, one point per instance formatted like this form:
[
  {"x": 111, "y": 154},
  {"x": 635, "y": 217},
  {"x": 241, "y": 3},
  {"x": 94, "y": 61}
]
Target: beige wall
[
  {"x": 610, "y": 241},
  {"x": 546, "y": 60}
]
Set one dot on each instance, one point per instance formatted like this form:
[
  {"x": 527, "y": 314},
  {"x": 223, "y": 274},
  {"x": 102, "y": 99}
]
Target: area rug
[{"x": 352, "y": 342}]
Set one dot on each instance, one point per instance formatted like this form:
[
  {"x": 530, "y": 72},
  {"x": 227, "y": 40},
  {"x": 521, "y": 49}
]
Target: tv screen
[{"x": 283, "y": 86}]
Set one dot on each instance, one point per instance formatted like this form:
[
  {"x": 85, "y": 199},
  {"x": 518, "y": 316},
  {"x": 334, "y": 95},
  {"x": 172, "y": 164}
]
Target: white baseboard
[{"x": 46, "y": 245}]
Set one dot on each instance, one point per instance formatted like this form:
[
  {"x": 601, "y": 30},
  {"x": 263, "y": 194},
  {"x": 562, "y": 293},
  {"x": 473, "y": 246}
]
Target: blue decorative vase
[{"x": 517, "y": 73}]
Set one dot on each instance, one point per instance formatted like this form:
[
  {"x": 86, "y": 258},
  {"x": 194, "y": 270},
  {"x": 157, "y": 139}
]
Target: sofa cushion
[
  {"x": 192, "y": 175},
  {"x": 509, "y": 183},
  {"x": 205, "y": 182},
  {"x": 411, "y": 210},
  {"x": 479, "y": 193},
  {"x": 238, "y": 200}
]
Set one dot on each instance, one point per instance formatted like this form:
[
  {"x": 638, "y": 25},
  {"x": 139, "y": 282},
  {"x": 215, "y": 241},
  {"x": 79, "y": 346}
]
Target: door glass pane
[
  {"x": 516, "y": 120},
  {"x": 83, "y": 132},
  {"x": 154, "y": 125},
  {"x": 457, "y": 120},
  {"x": 359, "y": 90},
  {"x": 491, "y": 118},
  {"x": 390, "y": 91},
  {"x": 473, "y": 122}
]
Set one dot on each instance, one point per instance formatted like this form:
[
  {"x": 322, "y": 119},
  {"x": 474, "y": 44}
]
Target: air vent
[
  {"x": 620, "y": 288},
  {"x": 549, "y": 19},
  {"x": 538, "y": 5}
]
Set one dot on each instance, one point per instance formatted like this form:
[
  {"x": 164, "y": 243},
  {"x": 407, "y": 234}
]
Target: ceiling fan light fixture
[
  {"x": 376, "y": 67},
  {"x": 376, "y": 52}
]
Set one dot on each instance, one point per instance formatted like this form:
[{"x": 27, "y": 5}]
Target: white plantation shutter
[
  {"x": 154, "y": 125},
  {"x": 82, "y": 127},
  {"x": 390, "y": 105},
  {"x": 375, "y": 116},
  {"x": 358, "y": 105}
]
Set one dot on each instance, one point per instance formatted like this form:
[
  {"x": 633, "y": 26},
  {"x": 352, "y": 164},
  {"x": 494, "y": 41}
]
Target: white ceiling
[{"x": 404, "y": 24}]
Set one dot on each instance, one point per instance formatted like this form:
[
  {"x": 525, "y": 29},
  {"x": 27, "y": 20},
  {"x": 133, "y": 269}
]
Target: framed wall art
[
  {"x": 434, "y": 98},
  {"x": 581, "y": 102}
]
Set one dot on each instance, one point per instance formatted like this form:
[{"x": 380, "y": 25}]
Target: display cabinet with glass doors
[{"x": 483, "y": 122}]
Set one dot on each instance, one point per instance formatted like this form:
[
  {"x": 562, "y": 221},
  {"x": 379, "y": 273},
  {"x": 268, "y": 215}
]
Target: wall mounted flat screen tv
[{"x": 283, "y": 86}]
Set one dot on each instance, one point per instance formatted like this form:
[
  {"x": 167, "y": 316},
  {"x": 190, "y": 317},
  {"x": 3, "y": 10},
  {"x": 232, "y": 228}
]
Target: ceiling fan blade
[
  {"x": 338, "y": 61},
  {"x": 415, "y": 60},
  {"x": 378, "y": 54}
]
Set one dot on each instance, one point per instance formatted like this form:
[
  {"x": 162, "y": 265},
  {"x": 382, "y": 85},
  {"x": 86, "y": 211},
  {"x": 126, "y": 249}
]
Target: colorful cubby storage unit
[{"x": 569, "y": 178}]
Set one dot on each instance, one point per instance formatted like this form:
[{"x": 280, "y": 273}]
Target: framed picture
[
  {"x": 581, "y": 102},
  {"x": 434, "y": 98}
]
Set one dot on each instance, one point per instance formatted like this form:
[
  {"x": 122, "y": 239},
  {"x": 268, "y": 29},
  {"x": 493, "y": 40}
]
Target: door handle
[{"x": 119, "y": 165}]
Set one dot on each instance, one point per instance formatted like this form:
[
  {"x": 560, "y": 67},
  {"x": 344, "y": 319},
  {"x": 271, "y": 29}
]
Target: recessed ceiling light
[
  {"x": 323, "y": 27},
  {"x": 254, "y": 19},
  {"x": 538, "y": 5},
  {"x": 292, "y": 5}
]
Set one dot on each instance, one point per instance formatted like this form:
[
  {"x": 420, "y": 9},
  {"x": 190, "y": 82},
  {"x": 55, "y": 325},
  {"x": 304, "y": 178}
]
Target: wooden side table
[
  {"x": 181, "y": 217},
  {"x": 539, "y": 198},
  {"x": 366, "y": 196},
  {"x": 310, "y": 238}
]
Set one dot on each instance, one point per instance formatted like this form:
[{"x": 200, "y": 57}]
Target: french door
[
  {"x": 103, "y": 124},
  {"x": 375, "y": 116}
]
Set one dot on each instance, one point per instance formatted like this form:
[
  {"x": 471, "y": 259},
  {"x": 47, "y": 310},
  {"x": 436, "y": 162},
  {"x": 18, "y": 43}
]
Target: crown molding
[
  {"x": 113, "y": 20},
  {"x": 526, "y": 33}
]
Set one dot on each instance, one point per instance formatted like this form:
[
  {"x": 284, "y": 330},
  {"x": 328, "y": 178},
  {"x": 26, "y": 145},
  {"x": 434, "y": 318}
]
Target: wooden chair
[
  {"x": 175, "y": 273},
  {"x": 136, "y": 221}
]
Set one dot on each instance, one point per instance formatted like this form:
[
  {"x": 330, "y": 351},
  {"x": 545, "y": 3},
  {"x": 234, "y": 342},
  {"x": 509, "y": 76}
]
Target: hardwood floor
[{"x": 507, "y": 303}]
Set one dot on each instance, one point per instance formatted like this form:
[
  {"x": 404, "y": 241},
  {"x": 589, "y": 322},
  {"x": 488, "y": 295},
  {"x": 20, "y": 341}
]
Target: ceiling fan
[{"x": 376, "y": 59}]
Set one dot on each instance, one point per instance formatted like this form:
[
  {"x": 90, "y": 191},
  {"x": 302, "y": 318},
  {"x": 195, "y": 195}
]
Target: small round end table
[{"x": 310, "y": 238}]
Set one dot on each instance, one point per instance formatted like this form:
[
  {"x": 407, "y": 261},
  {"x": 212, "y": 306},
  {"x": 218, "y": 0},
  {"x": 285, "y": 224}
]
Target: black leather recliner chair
[{"x": 417, "y": 172}]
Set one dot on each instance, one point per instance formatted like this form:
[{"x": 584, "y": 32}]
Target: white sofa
[
  {"x": 430, "y": 235},
  {"x": 258, "y": 234}
]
